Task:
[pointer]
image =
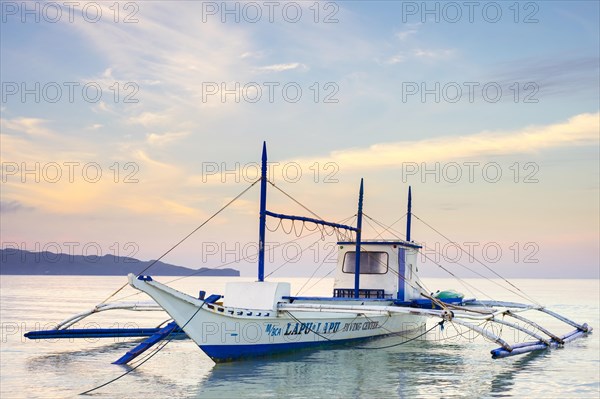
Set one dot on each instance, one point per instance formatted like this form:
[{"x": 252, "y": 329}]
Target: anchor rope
[
  {"x": 185, "y": 238},
  {"x": 150, "y": 356},
  {"x": 441, "y": 324}
]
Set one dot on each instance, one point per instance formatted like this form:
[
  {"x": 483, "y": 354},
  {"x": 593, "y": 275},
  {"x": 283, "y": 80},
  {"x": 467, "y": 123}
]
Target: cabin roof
[{"x": 383, "y": 242}]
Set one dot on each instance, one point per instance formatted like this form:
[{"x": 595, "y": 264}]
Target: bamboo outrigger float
[{"x": 377, "y": 292}]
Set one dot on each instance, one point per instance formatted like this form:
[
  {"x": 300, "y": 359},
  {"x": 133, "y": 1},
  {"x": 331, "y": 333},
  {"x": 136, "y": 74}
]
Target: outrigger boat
[{"x": 377, "y": 293}]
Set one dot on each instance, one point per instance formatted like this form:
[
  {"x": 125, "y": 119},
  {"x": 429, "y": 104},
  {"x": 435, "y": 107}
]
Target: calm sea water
[{"x": 452, "y": 367}]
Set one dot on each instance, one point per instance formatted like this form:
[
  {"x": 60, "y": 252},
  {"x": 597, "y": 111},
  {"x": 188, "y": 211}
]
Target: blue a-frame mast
[
  {"x": 408, "y": 215},
  {"x": 263, "y": 220},
  {"x": 263, "y": 214},
  {"x": 358, "y": 237}
]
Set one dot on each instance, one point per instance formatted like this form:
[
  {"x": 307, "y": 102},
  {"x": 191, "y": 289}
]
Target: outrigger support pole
[
  {"x": 263, "y": 215},
  {"x": 358, "y": 237}
]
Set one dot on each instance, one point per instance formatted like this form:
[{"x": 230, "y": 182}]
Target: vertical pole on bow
[
  {"x": 408, "y": 215},
  {"x": 263, "y": 216},
  {"x": 358, "y": 237}
]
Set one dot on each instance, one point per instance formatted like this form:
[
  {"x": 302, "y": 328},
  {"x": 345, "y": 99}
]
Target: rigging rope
[
  {"x": 319, "y": 280},
  {"x": 418, "y": 281},
  {"x": 245, "y": 258},
  {"x": 296, "y": 257},
  {"x": 303, "y": 249},
  {"x": 466, "y": 285},
  {"x": 184, "y": 238},
  {"x": 524, "y": 296},
  {"x": 373, "y": 227},
  {"x": 296, "y": 201},
  {"x": 320, "y": 265},
  {"x": 390, "y": 226}
]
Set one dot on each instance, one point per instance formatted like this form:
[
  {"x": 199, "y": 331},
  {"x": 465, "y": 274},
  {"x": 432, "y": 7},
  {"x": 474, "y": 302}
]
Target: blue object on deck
[
  {"x": 147, "y": 344},
  {"x": 213, "y": 298},
  {"x": 144, "y": 278},
  {"x": 428, "y": 303}
]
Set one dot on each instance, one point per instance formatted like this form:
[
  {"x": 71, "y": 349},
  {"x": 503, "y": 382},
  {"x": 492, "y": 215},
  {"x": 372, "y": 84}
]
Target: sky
[{"x": 125, "y": 125}]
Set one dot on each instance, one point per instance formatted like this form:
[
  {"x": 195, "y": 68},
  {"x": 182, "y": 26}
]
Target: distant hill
[{"x": 17, "y": 262}]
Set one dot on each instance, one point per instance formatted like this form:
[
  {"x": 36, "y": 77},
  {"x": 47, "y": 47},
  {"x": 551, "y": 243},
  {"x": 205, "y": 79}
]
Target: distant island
[{"x": 18, "y": 262}]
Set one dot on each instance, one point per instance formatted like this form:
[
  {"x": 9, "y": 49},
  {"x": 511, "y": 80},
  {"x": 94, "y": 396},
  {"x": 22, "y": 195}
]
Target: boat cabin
[{"x": 387, "y": 270}]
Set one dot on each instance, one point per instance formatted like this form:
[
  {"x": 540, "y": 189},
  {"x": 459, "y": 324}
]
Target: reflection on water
[
  {"x": 455, "y": 367},
  {"x": 504, "y": 381},
  {"x": 414, "y": 370}
]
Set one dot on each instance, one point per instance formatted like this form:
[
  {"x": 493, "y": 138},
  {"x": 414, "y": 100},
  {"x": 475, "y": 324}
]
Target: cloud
[
  {"x": 558, "y": 76},
  {"x": 162, "y": 139},
  {"x": 62, "y": 170},
  {"x": 577, "y": 131},
  {"x": 410, "y": 29},
  {"x": 108, "y": 74},
  {"x": 252, "y": 54},
  {"x": 282, "y": 67},
  {"x": 102, "y": 106},
  {"x": 148, "y": 119},
  {"x": 396, "y": 59},
  {"x": 403, "y": 35},
  {"x": 13, "y": 207},
  {"x": 433, "y": 54},
  {"x": 30, "y": 126},
  {"x": 420, "y": 54}
]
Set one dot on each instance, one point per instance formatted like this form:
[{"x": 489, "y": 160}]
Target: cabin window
[{"x": 370, "y": 262}]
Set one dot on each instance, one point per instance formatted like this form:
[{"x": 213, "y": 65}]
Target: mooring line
[{"x": 167, "y": 340}]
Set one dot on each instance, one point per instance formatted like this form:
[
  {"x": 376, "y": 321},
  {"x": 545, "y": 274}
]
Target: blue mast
[
  {"x": 408, "y": 215},
  {"x": 263, "y": 216},
  {"x": 358, "y": 236}
]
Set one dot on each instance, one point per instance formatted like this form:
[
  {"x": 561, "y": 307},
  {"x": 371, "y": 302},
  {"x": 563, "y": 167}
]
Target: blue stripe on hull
[{"x": 226, "y": 353}]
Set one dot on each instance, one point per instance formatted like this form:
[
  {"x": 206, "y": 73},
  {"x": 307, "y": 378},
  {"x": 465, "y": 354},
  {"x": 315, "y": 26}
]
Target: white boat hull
[{"x": 227, "y": 334}]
